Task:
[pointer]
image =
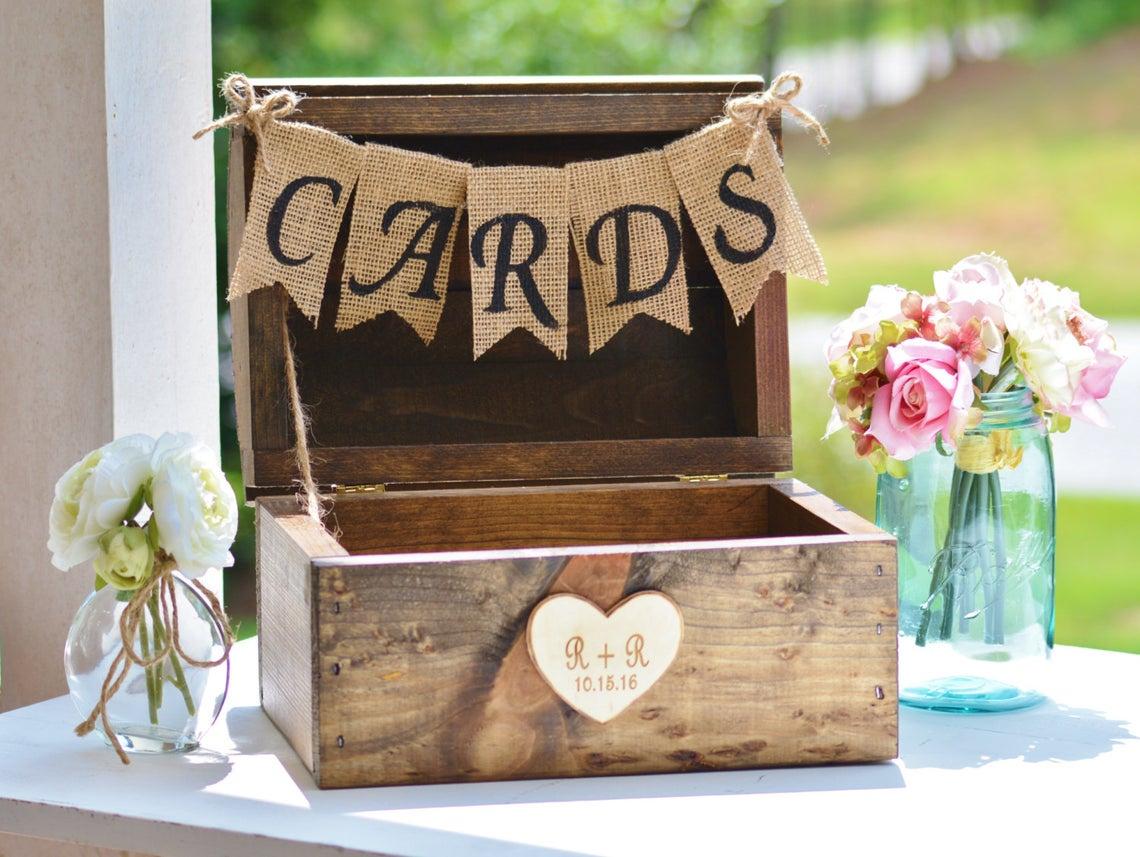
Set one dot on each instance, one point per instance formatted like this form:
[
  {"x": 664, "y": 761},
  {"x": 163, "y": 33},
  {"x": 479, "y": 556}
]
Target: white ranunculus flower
[
  {"x": 94, "y": 496},
  {"x": 1048, "y": 354},
  {"x": 194, "y": 506},
  {"x": 125, "y": 559},
  {"x": 884, "y": 303}
]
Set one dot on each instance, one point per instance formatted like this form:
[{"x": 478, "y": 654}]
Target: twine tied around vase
[
  {"x": 752, "y": 111},
  {"x": 254, "y": 113},
  {"x": 985, "y": 453},
  {"x": 161, "y": 581}
]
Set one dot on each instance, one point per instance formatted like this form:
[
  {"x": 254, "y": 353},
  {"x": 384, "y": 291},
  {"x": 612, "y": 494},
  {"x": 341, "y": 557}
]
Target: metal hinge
[
  {"x": 378, "y": 488},
  {"x": 704, "y": 477}
]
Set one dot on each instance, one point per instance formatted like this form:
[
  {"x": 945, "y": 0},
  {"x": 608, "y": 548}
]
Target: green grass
[
  {"x": 1098, "y": 582},
  {"x": 1036, "y": 160}
]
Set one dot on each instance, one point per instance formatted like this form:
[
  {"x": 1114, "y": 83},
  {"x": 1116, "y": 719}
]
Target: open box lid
[{"x": 387, "y": 410}]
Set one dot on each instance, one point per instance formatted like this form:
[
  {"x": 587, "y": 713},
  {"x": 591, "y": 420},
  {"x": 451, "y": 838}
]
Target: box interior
[
  {"x": 378, "y": 385},
  {"x": 484, "y": 519}
]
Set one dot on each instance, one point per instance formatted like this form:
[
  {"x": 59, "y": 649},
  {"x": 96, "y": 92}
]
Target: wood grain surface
[
  {"x": 788, "y": 658},
  {"x": 420, "y": 671}
]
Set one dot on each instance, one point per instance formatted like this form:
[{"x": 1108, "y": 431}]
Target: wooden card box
[{"x": 463, "y": 493}]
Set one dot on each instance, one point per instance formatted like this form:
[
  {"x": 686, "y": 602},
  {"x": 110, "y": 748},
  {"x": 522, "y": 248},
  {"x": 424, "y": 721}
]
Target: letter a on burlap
[
  {"x": 626, "y": 219},
  {"x": 301, "y": 186},
  {"x": 746, "y": 215},
  {"x": 520, "y": 238},
  {"x": 400, "y": 240}
]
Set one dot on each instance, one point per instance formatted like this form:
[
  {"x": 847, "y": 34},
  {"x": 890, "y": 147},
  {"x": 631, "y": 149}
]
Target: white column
[{"x": 107, "y": 275}]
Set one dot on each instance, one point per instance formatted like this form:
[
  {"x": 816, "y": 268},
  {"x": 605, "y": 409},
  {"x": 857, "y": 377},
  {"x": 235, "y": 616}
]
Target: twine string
[
  {"x": 161, "y": 581},
  {"x": 256, "y": 114},
  {"x": 981, "y": 454},
  {"x": 752, "y": 111},
  {"x": 311, "y": 497}
]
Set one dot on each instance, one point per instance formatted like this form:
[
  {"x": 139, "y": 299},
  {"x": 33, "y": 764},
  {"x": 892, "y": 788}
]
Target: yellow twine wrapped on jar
[{"x": 985, "y": 453}]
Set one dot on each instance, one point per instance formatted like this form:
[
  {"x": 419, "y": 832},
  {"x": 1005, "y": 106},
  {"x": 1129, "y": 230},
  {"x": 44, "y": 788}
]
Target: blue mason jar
[{"x": 975, "y": 531}]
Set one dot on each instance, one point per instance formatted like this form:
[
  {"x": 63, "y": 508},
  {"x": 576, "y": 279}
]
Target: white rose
[
  {"x": 94, "y": 496},
  {"x": 194, "y": 506},
  {"x": 1048, "y": 354},
  {"x": 884, "y": 303}
]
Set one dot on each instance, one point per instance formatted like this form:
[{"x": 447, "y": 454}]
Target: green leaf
[
  {"x": 152, "y": 534},
  {"x": 136, "y": 503},
  {"x": 942, "y": 450},
  {"x": 99, "y": 583}
]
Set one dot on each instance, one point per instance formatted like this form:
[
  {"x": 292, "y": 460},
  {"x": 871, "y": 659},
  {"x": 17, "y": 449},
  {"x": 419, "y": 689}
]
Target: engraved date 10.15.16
[{"x": 603, "y": 681}]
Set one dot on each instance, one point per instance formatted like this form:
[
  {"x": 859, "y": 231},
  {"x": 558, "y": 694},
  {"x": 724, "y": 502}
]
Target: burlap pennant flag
[
  {"x": 400, "y": 241},
  {"x": 302, "y": 182},
  {"x": 626, "y": 221},
  {"x": 746, "y": 215},
  {"x": 519, "y": 228}
]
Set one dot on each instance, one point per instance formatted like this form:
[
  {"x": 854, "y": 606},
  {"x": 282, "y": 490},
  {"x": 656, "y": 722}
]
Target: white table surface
[{"x": 1060, "y": 778}]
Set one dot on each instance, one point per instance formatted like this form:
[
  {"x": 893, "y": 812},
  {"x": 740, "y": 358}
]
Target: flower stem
[
  {"x": 159, "y": 641},
  {"x": 180, "y": 682},
  {"x": 1005, "y": 379},
  {"x": 998, "y": 625},
  {"x": 938, "y": 572},
  {"x": 178, "y": 679},
  {"x": 958, "y": 507},
  {"x": 936, "y": 577},
  {"x": 982, "y": 535},
  {"x": 970, "y": 542},
  {"x": 144, "y": 648}
]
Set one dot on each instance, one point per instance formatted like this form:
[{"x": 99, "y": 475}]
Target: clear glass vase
[
  {"x": 976, "y": 558},
  {"x": 168, "y": 707}
]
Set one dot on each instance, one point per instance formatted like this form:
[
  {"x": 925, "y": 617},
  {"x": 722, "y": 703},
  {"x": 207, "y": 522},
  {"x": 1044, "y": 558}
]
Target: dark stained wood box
[{"x": 395, "y": 652}]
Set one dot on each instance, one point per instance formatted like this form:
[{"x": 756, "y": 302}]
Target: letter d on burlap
[
  {"x": 626, "y": 219},
  {"x": 746, "y": 215},
  {"x": 301, "y": 188}
]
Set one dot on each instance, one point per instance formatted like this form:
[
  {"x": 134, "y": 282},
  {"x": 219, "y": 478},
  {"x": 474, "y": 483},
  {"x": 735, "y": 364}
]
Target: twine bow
[
  {"x": 162, "y": 581},
  {"x": 254, "y": 113},
  {"x": 987, "y": 453},
  {"x": 751, "y": 111}
]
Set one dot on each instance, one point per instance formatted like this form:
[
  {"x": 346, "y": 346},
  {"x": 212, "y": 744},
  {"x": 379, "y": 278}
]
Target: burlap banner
[
  {"x": 745, "y": 213},
  {"x": 399, "y": 242},
  {"x": 624, "y": 214},
  {"x": 519, "y": 230},
  {"x": 301, "y": 187},
  {"x": 626, "y": 218}
]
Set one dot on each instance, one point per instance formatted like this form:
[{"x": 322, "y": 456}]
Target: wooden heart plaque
[{"x": 600, "y": 663}]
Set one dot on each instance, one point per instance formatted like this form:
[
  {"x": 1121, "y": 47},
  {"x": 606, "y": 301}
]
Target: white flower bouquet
[{"x": 140, "y": 509}]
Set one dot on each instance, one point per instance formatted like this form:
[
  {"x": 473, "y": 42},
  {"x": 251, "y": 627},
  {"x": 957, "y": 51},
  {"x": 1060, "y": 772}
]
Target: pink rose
[
  {"x": 1096, "y": 380},
  {"x": 928, "y": 391}
]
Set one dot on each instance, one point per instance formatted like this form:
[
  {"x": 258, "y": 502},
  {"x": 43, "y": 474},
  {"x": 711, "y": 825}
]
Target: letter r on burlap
[{"x": 520, "y": 240}]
